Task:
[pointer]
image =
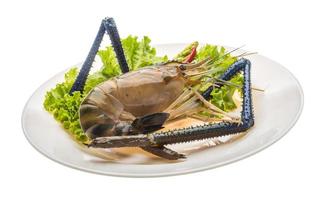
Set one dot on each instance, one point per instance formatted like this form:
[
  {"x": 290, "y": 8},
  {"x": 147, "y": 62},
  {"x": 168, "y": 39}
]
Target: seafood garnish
[{"x": 131, "y": 109}]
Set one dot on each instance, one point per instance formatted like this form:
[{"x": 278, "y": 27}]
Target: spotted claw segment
[
  {"x": 109, "y": 26},
  {"x": 112, "y": 31},
  {"x": 164, "y": 152},
  {"x": 142, "y": 141},
  {"x": 121, "y": 141}
]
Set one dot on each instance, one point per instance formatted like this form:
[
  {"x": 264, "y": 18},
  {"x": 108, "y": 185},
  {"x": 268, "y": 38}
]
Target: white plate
[{"x": 276, "y": 111}]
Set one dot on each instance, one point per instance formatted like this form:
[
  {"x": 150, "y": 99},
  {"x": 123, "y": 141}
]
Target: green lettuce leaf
[
  {"x": 221, "y": 60},
  {"x": 223, "y": 97},
  {"x": 110, "y": 65},
  {"x": 138, "y": 54},
  {"x": 64, "y": 107},
  {"x": 145, "y": 55},
  {"x": 181, "y": 56}
]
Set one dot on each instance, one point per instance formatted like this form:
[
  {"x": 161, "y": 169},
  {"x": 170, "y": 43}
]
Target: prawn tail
[
  {"x": 151, "y": 122},
  {"x": 138, "y": 137}
]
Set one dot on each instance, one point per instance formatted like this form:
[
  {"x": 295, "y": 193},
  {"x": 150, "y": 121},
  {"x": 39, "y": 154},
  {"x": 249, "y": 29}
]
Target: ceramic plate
[{"x": 276, "y": 111}]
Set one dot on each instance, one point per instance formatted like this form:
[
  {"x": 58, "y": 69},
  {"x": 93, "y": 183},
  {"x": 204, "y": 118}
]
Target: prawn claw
[{"x": 121, "y": 141}]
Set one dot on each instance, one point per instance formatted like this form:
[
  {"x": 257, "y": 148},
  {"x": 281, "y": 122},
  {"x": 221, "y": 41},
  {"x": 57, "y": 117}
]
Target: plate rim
[{"x": 168, "y": 173}]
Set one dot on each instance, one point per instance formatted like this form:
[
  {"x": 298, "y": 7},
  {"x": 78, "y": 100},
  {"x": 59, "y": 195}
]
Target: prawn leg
[
  {"x": 107, "y": 25},
  {"x": 151, "y": 123},
  {"x": 164, "y": 152}
]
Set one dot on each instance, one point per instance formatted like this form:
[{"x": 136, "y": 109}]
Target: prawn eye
[
  {"x": 167, "y": 79},
  {"x": 182, "y": 67}
]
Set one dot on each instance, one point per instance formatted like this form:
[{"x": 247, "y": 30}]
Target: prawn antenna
[{"x": 230, "y": 52}]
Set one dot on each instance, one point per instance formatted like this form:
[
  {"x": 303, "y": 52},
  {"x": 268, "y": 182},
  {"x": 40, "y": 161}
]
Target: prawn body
[{"x": 111, "y": 107}]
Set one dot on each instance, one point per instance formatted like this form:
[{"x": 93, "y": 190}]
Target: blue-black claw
[
  {"x": 109, "y": 26},
  {"x": 217, "y": 129},
  {"x": 111, "y": 29}
]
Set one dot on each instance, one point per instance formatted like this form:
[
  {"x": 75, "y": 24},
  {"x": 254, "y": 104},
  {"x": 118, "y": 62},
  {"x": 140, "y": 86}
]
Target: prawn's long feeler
[
  {"x": 229, "y": 52},
  {"x": 109, "y": 26}
]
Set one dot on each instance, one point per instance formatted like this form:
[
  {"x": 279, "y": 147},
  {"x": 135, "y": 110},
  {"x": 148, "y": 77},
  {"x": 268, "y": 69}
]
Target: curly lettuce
[
  {"x": 64, "y": 107},
  {"x": 221, "y": 60}
]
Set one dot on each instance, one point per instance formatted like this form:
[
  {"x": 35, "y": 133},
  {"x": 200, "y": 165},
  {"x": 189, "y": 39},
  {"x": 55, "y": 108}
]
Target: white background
[{"x": 39, "y": 39}]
